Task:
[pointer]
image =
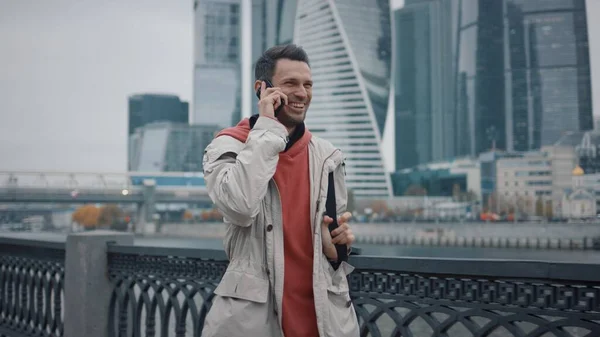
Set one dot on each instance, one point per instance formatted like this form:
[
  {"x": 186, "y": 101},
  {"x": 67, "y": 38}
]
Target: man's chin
[{"x": 291, "y": 120}]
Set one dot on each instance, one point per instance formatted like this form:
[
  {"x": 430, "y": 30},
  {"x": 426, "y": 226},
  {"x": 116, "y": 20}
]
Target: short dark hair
[{"x": 265, "y": 65}]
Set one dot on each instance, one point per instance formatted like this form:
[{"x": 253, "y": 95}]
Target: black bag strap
[{"x": 330, "y": 210}]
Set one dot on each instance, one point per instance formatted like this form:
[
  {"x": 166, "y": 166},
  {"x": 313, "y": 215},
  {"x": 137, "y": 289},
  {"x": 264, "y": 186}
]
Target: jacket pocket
[
  {"x": 242, "y": 307},
  {"x": 342, "y": 320},
  {"x": 243, "y": 285}
]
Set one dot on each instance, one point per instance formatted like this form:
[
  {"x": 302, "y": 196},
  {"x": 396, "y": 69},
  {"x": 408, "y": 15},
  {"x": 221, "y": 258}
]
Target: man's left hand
[{"x": 341, "y": 235}]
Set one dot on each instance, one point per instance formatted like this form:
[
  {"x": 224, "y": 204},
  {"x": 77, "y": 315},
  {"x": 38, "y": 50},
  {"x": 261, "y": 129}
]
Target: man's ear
[{"x": 257, "y": 85}]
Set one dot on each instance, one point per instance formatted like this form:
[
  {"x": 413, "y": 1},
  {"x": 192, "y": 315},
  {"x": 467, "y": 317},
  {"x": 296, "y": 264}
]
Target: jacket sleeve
[{"x": 237, "y": 174}]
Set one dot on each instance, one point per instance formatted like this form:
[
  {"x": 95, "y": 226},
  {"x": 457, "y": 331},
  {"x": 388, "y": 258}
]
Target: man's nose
[{"x": 301, "y": 92}]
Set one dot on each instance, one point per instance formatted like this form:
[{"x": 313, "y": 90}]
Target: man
[{"x": 269, "y": 178}]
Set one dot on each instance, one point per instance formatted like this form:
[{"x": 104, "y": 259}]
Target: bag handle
[{"x": 331, "y": 211}]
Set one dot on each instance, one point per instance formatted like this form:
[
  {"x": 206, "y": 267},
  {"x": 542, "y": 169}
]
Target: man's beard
[{"x": 290, "y": 121}]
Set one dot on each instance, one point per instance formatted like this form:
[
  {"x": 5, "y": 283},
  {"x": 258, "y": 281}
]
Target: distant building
[
  {"x": 217, "y": 62},
  {"x": 587, "y": 147},
  {"x": 350, "y": 49},
  {"x": 149, "y": 108},
  {"x": 579, "y": 201},
  {"x": 459, "y": 178},
  {"x": 532, "y": 178},
  {"x": 218, "y": 57},
  {"x": 170, "y": 147},
  {"x": 480, "y": 75}
]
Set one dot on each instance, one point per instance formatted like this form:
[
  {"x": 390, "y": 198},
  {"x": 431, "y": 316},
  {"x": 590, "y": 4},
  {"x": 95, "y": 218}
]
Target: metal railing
[
  {"x": 154, "y": 291},
  {"x": 32, "y": 277},
  {"x": 392, "y": 296}
]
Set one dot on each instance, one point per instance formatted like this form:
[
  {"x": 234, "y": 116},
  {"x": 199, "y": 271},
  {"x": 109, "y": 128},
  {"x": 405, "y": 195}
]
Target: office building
[
  {"x": 587, "y": 147},
  {"x": 170, "y": 147},
  {"x": 479, "y": 75},
  {"x": 349, "y": 45},
  {"x": 217, "y": 62},
  {"x": 149, "y": 108},
  {"x": 219, "y": 84},
  {"x": 538, "y": 175}
]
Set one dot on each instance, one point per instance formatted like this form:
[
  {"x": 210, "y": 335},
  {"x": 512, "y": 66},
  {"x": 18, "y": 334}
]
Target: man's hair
[{"x": 265, "y": 66}]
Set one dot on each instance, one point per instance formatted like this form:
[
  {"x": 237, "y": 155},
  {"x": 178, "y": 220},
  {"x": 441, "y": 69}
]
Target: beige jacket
[{"x": 239, "y": 181}]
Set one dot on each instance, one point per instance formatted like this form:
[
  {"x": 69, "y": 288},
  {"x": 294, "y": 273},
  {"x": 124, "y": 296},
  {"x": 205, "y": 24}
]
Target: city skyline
[{"x": 64, "y": 95}]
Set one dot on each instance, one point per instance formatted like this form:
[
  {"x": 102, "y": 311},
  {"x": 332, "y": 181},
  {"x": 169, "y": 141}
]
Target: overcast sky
[{"x": 68, "y": 66}]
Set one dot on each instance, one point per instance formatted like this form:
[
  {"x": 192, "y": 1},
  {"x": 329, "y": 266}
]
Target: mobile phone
[{"x": 270, "y": 85}]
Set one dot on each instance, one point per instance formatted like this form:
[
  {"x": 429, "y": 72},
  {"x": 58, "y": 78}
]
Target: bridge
[
  {"x": 144, "y": 189},
  {"x": 102, "y": 187}
]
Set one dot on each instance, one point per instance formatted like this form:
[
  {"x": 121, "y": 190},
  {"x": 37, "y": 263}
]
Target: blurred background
[{"x": 468, "y": 126}]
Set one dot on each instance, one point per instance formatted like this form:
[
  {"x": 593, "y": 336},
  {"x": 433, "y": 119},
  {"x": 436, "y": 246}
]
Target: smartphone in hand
[{"x": 270, "y": 85}]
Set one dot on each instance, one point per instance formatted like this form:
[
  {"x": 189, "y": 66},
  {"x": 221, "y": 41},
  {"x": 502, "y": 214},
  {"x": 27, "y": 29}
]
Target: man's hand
[
  {"x": 270, "y": 100},
  {"x": 341, "y": 235}
]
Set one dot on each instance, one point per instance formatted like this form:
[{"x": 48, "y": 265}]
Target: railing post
[{"x": 87, "y": 287}]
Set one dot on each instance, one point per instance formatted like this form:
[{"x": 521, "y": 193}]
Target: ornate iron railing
[
  {"x": 31, "y": 288},
  {"x": 165, "y": 292},
  {"x": 161, "y": 290}
]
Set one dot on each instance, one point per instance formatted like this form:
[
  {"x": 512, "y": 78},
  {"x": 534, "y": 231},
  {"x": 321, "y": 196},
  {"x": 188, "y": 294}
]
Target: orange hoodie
[{"x": 293, "y": 182}]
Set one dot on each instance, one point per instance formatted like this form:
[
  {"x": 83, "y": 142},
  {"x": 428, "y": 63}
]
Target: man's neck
[{"x": 291, "y": 129}]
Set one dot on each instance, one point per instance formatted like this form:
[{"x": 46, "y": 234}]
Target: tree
[
  {"x": 549, "y": 211},
  {"x": 86, "y": 215},
  {"x": 110, "y": 215},
  {"x": 379, "y": 206},
  {"x": 456, "y": 193},
  {"x": 415, "y": 190},
  {"x": 539, "y": 207}
]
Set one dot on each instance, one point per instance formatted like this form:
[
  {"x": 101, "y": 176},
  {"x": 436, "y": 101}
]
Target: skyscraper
[
  {"x": 217, "y": 62},
  {"x": 477, "y": 75},
  {"x": 349, "y": 45},
  {"x": 149, "y": 108},
  {"x": 548, "y": 71},
  {"x": 169, "y": 147},
  {"x": 219, "y": 84}
]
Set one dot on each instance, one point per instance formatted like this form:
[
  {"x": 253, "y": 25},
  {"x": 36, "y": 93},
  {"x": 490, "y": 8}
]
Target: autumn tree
[
  {"x": 456, "y": 193},
  {"x": 110, "y": 215},
  {"x": 549, "y": 211},
  {"x": 86, "y": 215},
  {"x": 539, "y": 207}
]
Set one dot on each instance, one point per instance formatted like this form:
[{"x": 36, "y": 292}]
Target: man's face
[{"x": 295, "y": 80}]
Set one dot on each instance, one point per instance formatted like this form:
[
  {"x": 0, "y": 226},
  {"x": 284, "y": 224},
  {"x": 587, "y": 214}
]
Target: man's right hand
[{"x": 270, "y": 99}]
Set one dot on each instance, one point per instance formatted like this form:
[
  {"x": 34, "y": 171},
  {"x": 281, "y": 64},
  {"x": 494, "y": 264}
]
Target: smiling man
[{"x": 269, "y": 177}]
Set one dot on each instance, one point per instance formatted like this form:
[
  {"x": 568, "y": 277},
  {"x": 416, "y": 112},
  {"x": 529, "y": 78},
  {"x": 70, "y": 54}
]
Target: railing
[
  {"x": 31, "y": 288},
  {"x": 153, "y": 291}
]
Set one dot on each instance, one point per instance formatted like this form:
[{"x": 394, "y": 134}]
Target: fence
[{"x": 100, "y": 284}]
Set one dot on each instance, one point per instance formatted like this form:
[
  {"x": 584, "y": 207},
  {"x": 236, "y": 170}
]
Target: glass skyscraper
[
  {"x": 218, "y": 83},
  {"x": 169, "y": 147},
  {"x": 349, "y": 45},
  {"x": 474, "y": 75},
  {"x": 150, "y": 108},
  {"x": 217, "y": 62}
]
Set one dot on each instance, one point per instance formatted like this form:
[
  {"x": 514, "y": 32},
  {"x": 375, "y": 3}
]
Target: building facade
[
  {"x": 478, "y": 75},
  {"x": 170, "y": 147},
  {"x": 349, "y": 45},
  {"x": 144, "y": 109},
  {"x": 217, "y": 62},
  {"x": 532, "y": 178}
]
